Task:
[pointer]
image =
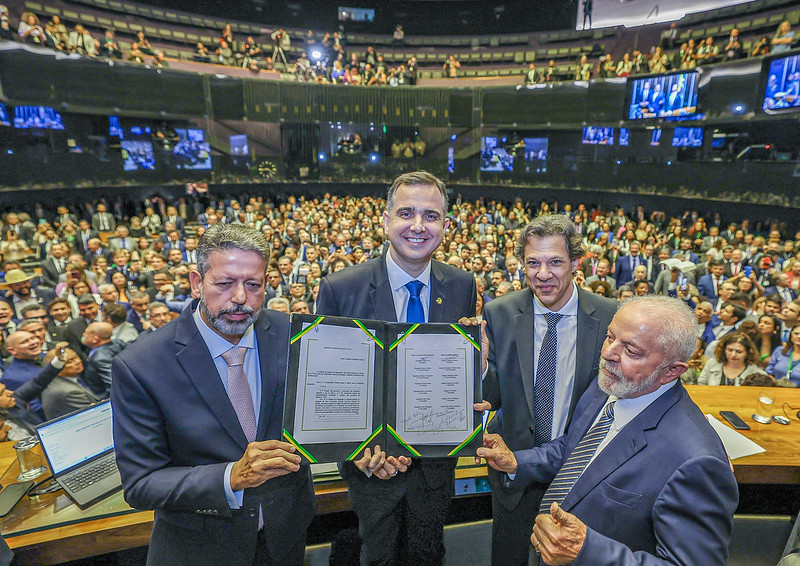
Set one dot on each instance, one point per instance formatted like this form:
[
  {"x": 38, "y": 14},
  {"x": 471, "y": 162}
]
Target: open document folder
[{"x": 353, "y": 384}]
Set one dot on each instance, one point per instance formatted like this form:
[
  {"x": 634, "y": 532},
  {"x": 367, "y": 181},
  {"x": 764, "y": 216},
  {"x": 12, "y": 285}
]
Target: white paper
[
  {"x": 736, "y": 444},
  {"x": 435, "y": 388},
  {"x": 335, "y": 386}
]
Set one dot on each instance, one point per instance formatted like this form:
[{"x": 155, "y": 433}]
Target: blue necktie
[
  {"x": 414, "y": 310},
  {"x": 578, "y": 460},
  {"x": 544, "y": 388}
]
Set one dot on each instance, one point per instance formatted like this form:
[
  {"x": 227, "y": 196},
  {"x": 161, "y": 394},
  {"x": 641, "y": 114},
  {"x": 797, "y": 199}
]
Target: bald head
[
  {"x": 24, "y": 345},
  {"x": 97, "y": 334}
]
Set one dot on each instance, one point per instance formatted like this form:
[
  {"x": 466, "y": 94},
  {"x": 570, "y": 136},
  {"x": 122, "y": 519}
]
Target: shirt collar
[
  {"x": 570, "y": 309},
  {"x": 217, "y": 345},
  {"x": 398, "y": 278},
  {"x": 625, "y": 410}
]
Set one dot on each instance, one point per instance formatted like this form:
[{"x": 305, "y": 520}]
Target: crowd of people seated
[
  {"x": 667, "y": 57},
  {"x": 80, "y": 284}
]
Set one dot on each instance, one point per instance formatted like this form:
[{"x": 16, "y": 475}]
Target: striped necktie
[{"x": 578, "y": 460}]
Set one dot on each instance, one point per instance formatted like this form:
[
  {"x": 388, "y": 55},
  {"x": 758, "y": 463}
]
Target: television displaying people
[{"x": 663, "y": 96}]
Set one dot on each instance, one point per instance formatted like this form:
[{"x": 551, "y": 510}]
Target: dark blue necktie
[
  {"x": 544, "y": 388},
  {"x": 414, "y": 310}
]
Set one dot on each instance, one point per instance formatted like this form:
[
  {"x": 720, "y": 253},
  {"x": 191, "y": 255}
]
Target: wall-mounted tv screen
[
  {"x": 37, "y": 117},
  {"x": 624, "y": 136},
  {"x": 593, "y": 135},
  {"x": 536, "y": 155},
  {"x": 239, "y": 145},
  {"x": 114, "y": 127},
  {"x": 494, "y": 157},
  {"x": 137, "y": 155},
  {"x": 687, "y": 137},
  {"x": 5, "y": 120},
  {"x": 782, "y": 91},
  {"x": 191, "y": 151},
  {"x": 350, "y": 14},
  {"x": 655, "y": 137},
  {"x": 663, "y": 96}
]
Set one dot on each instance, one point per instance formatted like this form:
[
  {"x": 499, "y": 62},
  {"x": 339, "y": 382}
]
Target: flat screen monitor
[
  {"x": 239, "y": 145},
  {"x": 350, "y": 14},
  {"x": 37, "y": 117},
  {"x": 114, "y": 127},
  {"x": 495, "y": 158},
  {"x": 536, "y": 155},
  {"x": 593, "y": 135},
  {"x": 718, "y": 142},
  {"x": 624, "y": 136},
  {"x": 655, "y": 137},
  {"x": 191, "y": 151},
  {"x": 687, "y": 137},
  {"x": 5, "y": 120},
  {"x": 137, "y": 155},
  {"x": 608, "y": 13},
  {"x": 782, "y": 91},
  {"x": 663, "y": 96}
]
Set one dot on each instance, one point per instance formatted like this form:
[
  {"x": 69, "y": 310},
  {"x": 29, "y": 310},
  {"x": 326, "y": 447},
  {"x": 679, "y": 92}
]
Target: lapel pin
[{"x": 439, "y": 301}]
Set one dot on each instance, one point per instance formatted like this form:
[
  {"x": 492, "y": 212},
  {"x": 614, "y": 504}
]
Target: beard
[
  {"x": 622, "y": 387},
  {"x": 232, "y": 328}
]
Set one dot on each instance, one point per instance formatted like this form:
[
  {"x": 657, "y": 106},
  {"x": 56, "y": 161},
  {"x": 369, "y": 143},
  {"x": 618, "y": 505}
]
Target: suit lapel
[
  {"x": 265, "y": 337},
  {"x": 196, "y": 361},
  {"x": 623, "y": 447},
  {"x": 523, "y": 325},
  {"x": 438, "y": 304},
  {"x": 585, "y": 342},
  {"x": 380, "y": 293}
]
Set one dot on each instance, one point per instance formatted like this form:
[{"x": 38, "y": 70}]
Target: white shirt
[
  {"x": 217, "y": 345},
  {"x": 400, "y": 294},
  {"x": 567, "y": 329},
  {"x": 625, "y": 410}
]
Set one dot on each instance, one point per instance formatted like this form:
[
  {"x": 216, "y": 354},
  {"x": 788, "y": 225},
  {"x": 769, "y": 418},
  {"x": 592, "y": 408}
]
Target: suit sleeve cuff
[{"x": 234, "y": 498}]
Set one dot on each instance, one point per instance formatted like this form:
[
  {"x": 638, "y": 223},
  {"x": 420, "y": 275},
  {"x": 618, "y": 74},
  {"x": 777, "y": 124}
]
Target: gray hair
[
  {"x": 275, "y": 300},
  {"x": 417, "y": 179},
  {"x": 106, "y": 288},
  {"x": 675, "y": 322},
  {"x": 227, "y": 237},
  {"x": 550, "y": 225}
]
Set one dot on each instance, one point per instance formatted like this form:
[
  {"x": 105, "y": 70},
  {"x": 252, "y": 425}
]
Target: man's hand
[
  {"x": 558, "y": 536},
  {"x": 263, "y": 461},
  {"x": 472, "y": 321},
  {"x": 393, "y": 466},
  {"x": 370, "y": 462},
  {"x": 497, "y": 454},
  {"x": 482, "y": 406}
]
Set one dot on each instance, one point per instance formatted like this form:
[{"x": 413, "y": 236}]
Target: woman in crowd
[
  {"x": 122, "y": 285},
  {"x": 13, "y": 248},
  {"x": 136, "y": 229},
  {"x": 785, "y": 361},
  {"x": 74, "y": 274},
  {"x": 768, "y": 337},
  {"x": 735, "y": 358}
]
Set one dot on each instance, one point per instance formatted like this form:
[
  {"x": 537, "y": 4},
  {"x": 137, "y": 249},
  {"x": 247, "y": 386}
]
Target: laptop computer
[{"x": 80, "y": 450}]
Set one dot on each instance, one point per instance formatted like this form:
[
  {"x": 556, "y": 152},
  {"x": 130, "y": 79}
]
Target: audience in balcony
[
  {"x": 109, "y": 47},
  {"x": 784, "y": 36},
  {"x": 30, "y": 30},
  {"x": 451, "y": 67}
]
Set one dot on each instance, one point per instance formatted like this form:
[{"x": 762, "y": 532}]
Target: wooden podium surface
[{"x": 49, "y": 528}]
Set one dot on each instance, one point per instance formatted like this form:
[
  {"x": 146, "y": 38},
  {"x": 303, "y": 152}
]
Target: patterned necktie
[
  {"x": 414, "y": 310},
  {"x": 578, "y": 460},
  {"x": 544, "y": 388},
  {"x": 239, "y": 391}
]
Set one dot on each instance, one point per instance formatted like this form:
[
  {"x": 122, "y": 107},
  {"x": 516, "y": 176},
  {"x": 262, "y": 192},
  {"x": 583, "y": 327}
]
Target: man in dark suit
[
  {"x": 102, "y": 351},
  {"x": 535, "y": 388},
  {"x": 708, "y": 285},
  {"x": 89, "y": 312},
  {"x": 85, "y": 233},
  {"x": 403, "y": 285},
  {"x": 623, "y": 272},
  {"x": 177, "y": 221},
  {"x": 55, "y": 264},
  {"x": 649, "y": 481},
  {"x": 20, "y": 294},
  {"x": 198, "y": 407}
]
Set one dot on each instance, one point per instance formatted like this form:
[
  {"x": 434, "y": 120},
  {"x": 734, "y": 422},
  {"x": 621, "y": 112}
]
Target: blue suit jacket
[
  {"x": 661, "y": 492},
  {"x": 623, "y": 272},
  {"x": 175, "y": 432},
  {"x": 705, "y": 286}
]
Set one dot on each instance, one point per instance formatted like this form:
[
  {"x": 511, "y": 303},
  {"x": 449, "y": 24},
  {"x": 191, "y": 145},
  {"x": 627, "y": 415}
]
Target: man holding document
[
  {"x": 403, "y": 285},
  {"x": 640, "y": 477}
]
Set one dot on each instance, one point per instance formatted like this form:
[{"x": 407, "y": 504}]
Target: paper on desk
[{"x": 736, "y": 444}]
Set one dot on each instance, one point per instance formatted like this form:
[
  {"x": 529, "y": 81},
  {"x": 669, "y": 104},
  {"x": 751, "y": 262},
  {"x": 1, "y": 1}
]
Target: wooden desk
[
  {"x": 50, "y": 529},
  {"x": 781, "y": 461}
]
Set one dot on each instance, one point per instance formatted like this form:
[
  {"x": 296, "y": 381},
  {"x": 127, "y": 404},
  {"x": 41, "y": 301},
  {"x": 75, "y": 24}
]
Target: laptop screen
[{"x": 78, "y": 437}]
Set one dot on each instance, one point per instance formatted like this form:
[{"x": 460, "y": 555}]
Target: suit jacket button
[{"x": 530, "y": 428}]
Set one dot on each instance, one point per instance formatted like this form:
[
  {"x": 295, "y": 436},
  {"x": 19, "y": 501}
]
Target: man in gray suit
[
  {"x": 544, "y": 343},
  {"x": 64, "y": 394}
]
